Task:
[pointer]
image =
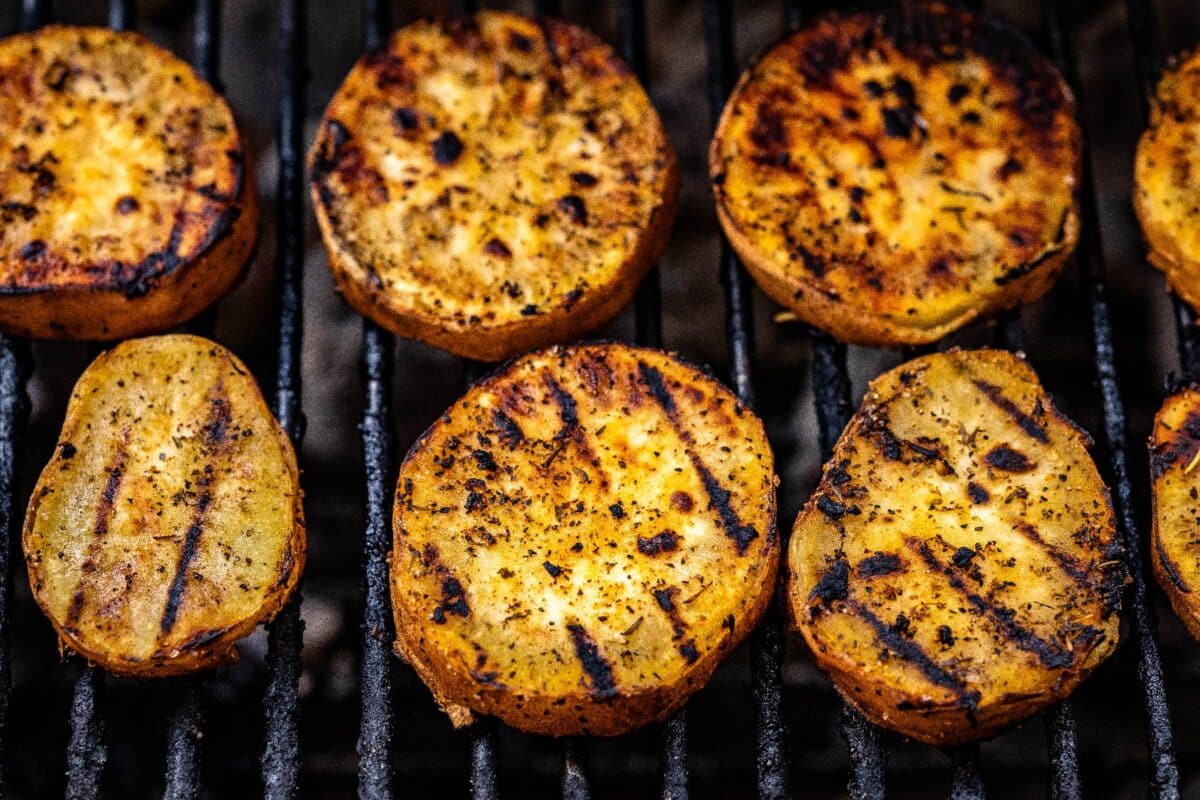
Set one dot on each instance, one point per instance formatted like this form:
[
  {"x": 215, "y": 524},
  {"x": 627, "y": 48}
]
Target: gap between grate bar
[
  {"x": 280, "y": 759},
  {"x": 1164, "y": 782},
  {"x": 767, "y": 641}
]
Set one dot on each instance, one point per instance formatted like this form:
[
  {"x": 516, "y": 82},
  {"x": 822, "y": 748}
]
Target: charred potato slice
[
  {"x": 580, "y": 540},
  {"x": 127, "y": 204},
  {"x": 957, "y": 568},
  {"x": 890, "y": 177},
  {"x": 1174, "y": 455},
  {"x": 1166, "y": 189},
  {"x": 168, "y": 523},
  {"x": 492, "y": 185}
]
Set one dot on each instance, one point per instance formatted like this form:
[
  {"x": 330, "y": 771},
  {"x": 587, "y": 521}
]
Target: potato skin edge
[
  {"x": 218, "y": 651},
  {"x": 461, "y": 697}
]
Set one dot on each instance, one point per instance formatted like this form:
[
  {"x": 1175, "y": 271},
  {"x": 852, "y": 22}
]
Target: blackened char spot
[
  {"x": 821, "y": 59},
  {"x": 830, "y": 507},
  {"x": 1005, "y": 458},
  {"x": 572, "y": 205},
  {"x": 32, "y": 250},
  {"x": 510, "y": 432},
  {"x": 598, "y": 670},
  {"x": 689, "y": 652},
  {"x": 554, "y": 569},
  {"x": 811, "y": 262},
  {"x": 583, "y": 179},
  {"x": 962, "y": 557},
  {"x": 834, "y": 584},
  {"x": 127, "y": 205},
  {"x": 67, "y": 450},
  {"x": 957, "y": 92},
  {"x": 495, "y": 247},
  {"x": 977, "y": 493},
  {"x": 454, "y": 600},
  {"x": 664, "y": 542},
  {"x": 617, "y": 510},
  {"x": 484, "y": 460},
  {"x": 945, "y": 636},
  {"x": 447, "y": 148},
  {"x": 406, "y": 120},
  {"x": 880, "y": 564},
  {"x": 898, "y": 122}
]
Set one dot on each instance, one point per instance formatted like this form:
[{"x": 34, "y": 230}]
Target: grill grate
[{"x": 280, "y": 760}]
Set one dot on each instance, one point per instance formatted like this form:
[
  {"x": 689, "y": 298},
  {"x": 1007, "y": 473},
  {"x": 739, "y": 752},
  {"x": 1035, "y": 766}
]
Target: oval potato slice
[
  {"x": 168, "y": 523},
  {"x": 580, "y": 539},
  {"x": 891, "y": 177},
  {"x": 957, "y": 568},
  {"x": 1166, "y": 191},
  {"x": 128, "y": 206},
  {"x": 492, "y": 185},
  {"x": 1174, "y": 447}
]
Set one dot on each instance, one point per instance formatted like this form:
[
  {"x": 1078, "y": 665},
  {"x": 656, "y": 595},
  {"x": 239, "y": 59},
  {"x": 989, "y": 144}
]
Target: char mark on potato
[
  {"x": 104, "y": 512},
  {"x": 718, "y": 496},
  {"x": 597, "y": 669},
  {"x": 1026, "y": 422}
]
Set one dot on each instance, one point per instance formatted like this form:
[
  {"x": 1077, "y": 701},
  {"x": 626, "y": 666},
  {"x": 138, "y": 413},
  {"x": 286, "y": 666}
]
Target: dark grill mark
[
  {"x": 104, "y": 511},
  {"x": 568, "y": 412},
  {"x": 1051, "y": 655},
  {"x": 718, "y": 496},
  {"x": 510, "y": 432},
  {"x": 595, "y": 667},
  {"x": 447, "y": 148},
  {"x": 1005, "y": 404},
  {"x": 880, "y": 564},
  {"x": 213, "y": 440},
  {"x": 1070, "y": 565},
  {"x": 1180, "y": 445},
  {"x": 31, "y": 250},
  {"x": 1005, "y": 458},
  {"x": 664, "y": 542},
  {"x": 914, "y": 654},
  {"x": 1169, "y": 568}
]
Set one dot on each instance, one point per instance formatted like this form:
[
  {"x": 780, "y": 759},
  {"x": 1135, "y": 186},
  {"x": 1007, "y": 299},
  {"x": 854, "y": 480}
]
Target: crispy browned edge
[
  {"x": 1161, "y": 249},
  {"x": 458, "y": 694},
  {"x": 209, "y": 652},
  {"x": 813, "y": 306},
  {"x": 1183, "y": 599},
  {"x": 498, "y": 342},
  {"x": 113, "y": 310},
  {"x": 946, "y": 723}
]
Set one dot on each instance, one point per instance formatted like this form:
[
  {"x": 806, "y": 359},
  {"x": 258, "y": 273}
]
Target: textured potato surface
[
  {"x": 957, "y": 568},
  {"x": 580, "y": 539},
  {"x": 123, "y": 195},
  {"x": 493, "y": 184},
  {"x": 168, "y": 523},
  {"x": 890, "y": 177},
  {"x": 1166, "y": 192},
  {"x": 1175, "y": 486}
]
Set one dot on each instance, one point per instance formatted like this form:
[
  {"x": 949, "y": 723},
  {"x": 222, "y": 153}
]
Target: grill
[{"x": 867, "y": 748}]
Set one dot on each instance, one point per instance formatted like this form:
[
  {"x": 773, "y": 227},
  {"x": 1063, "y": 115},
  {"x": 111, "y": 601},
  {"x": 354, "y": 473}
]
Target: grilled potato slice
[
  {"x": 127, "y": 204},
  {"x": 492, "y": 185},
  {"x": 168, "y": 524},
  {"x": 580, "y": 540},
  {"x": 1166, "y": 190},
  {"x": 957, "y": 568},
  {"x": 890, "y": 177},
  {"x": 1174, "y": 454}
]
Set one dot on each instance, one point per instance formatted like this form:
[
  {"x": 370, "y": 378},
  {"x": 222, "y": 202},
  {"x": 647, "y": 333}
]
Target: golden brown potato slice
[
  {"x": 580, "y": 540},
  {"x": 492, "y": 185},
  {"x": 168, "y": 524},
  {"x": 125, "y": 195},
  {"x": 1166, "y": 192},
  {"x": 890, "y": 177},
  {"x": 957, "y": 568},
  {"x": 1174, "y": 455}
]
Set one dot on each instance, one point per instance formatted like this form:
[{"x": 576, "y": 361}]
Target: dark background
[{"x": 432, "y": 760}]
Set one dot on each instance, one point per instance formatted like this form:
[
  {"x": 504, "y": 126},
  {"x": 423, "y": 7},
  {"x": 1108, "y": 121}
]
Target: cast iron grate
[{"x": 280, "y": 759}]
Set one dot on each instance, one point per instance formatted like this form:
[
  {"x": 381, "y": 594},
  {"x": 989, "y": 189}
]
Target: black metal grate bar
[
  {"x": 35, "y": 14},
  {"x": 14, "y": 410},
  {"x": 281, "y": 752},
  {"x": 675, "y": 756},
  {"x": 965, "y": 782},
  {"x": 575, "y": 784},
  {"x": 1064, "y": 754},
  {"x": 86, "y": 753},
  {"x": 1164, "y": 783},
  {"x": 122, "y": 14},
  {"x": 483, "y": 761},
  {"x": 206, "y": 55},
  {"x": 184, "y": 726}
]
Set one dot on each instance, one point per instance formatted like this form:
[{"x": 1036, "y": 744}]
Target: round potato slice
[
  {"x": 580, "y": 540},
  {"x": 1166, "y": 191},
  {"x": 1175, "y": 482},
  {"x": 891, "y": 177},
  {"x": 168, "y": 524},
  {"x": 492, "y": 185},
  {"x": 957, "y": 568},
  {"x": 127, "y": 204}
]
